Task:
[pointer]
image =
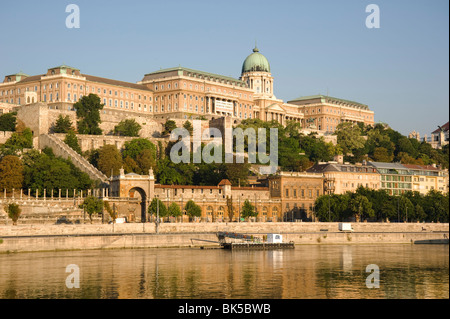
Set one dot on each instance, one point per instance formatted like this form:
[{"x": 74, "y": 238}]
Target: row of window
[
  {"x": 196, "y": 87},
  {"x": 11, "y": 91},
  {"x": 396, "y": 178},
  {"x": 301, "y": 192},
  {"x": 313, "y": 111}
]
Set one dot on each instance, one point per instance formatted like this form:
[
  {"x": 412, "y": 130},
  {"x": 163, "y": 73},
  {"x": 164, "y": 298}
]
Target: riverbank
[{"x": 28, "y": 238}]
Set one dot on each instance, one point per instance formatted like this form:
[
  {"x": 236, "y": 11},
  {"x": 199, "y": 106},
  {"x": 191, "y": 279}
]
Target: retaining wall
[{"x": 75, "y": 237}]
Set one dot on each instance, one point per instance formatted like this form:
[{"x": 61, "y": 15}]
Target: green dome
[{"x": 256, "y": 62}]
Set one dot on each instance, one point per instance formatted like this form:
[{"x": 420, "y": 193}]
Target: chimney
[{"x": 339, "y": 159}]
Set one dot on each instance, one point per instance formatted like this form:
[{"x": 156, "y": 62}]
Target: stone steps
[{"x": 62, "y": 149}]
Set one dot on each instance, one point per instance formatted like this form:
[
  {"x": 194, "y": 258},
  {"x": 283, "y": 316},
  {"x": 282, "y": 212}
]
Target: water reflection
[{"x": 316, "y": 271}]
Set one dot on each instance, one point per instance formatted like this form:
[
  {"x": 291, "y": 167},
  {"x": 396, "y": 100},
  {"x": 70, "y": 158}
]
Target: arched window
[
  {"x": 220, "y": 212},
  {"x": 264, "y": 210}
]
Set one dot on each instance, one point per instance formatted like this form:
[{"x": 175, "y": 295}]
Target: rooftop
[
  {"x": 388, "y": 165},
  {"x": 195, "y": 73},
  {"x": 330, "y": 99},
  {"x": 444, "y": 127}
]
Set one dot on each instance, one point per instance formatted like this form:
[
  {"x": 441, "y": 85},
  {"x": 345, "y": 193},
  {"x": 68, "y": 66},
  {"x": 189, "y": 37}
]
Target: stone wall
[
  {"x": 198, "y": 228},
  {"x": 77, "y": 237},
  {"x": 91, "y": 142},
  {"x": 4, "y": 136}
]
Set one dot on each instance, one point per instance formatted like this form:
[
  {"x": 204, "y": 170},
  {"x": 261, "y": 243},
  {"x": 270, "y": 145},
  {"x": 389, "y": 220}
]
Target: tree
[
  {"x": 13, "y": 210},
  {"x": 127, "y": 127},
  {"x": 169, "y": 126},
  {"x": 145, "y": 160},
  {"x": 88, "y": 114},
  {"x": 248, "y": 210},
  {"x": 92, "y": 205},
  {"x": 332, "y": 207},
  {"x": 153, "y": 208},
  {"x": 11, "y": 173},
  {"x": 109, "y": 160},
  {"x": 46, "y": 171},
  {"x": 361, "y": 207},
  {"x": 381, "y": 154},
  {"x": 174, "y": 210},
  {"x": 188, "y": 126},
  {"x": 406, "y": 208},
  {"x": 130, "y": 165},
  {"x": 72, "y": 140},
  {"x": 349, "y": 137},
  {"x": 134, "y": 147},
  {"x": 8, "y": 122},
  {"x": 236, "y": 173},
  {"x": 192, "y": 209},
  {"x": 17, "y": 142},
  {"x": 63, "y": 124},
  {"x": 111, "y": 211}
]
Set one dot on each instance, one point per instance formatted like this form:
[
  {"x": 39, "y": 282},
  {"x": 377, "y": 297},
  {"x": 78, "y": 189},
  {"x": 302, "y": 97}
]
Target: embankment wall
[{"x": 28, "y": 238}]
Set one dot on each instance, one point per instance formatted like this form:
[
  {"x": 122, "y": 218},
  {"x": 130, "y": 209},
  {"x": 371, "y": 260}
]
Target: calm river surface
[{"x": 308, "y": 271}]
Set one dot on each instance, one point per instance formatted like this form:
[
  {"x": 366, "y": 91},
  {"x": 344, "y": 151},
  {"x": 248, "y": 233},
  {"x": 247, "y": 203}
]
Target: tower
[{"x": 256, "y": 73}]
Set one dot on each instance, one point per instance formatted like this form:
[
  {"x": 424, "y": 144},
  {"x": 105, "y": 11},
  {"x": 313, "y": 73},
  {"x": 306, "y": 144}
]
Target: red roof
[
  {"x": 224, "y": 182},
  {"x": 444, "y": 127}
]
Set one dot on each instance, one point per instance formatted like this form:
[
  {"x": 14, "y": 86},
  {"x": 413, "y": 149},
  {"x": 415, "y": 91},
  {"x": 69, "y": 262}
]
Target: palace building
[{"x": 183, "y": 93}]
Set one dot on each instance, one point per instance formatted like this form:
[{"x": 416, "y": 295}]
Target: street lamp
[{"x": 329, "y": 208}]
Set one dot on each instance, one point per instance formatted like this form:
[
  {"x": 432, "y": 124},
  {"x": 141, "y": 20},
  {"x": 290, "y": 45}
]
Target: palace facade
[{"x": 183, "y": 93}]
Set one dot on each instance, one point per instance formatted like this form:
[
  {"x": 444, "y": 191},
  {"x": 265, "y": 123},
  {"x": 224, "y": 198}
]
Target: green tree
[
  {"x": 134, "y": 147},
  {"x": 109, "y": 160},
  {"x": 145, "y": 160},
  {"x": 248, "y": 210},
  {"x": 192, "y": 209},
  {"x": 332, "y": 207},
  {"x": 188, "y": 126},
  {"x": 406, "y": 208},
  {"x": 8, "y": 121},
  {"x": 63, "y": 124},
  {"x": 111, "y": 211},
  {"x": 88, "y": 114},
  {"x": 45, "y": 171},
  {"x": 72, "y": 140},
  {"x": 92, "y": 205},
  {"x": 349, "y": 137},
  {"x": 169, "y": 126},
  {"x": 381, "y": 154},
  {"x": 153, "y": 208},
  {"x": 130, "y": 165},
  {"x": 127, "y": 127},
  {"x": 11, "y": 173},
  {"x": 361, "y": 207},
  {"x": 174, "y": 210},
  {"x": 20, "y": 140},
  {"x": 13, "y": 210}
]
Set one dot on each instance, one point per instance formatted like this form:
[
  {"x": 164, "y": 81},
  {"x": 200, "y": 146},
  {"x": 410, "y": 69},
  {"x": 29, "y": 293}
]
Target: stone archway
[{"x": 137, "y": 193}]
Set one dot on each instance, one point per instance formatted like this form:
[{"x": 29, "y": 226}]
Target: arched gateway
[{"x": 134, "y": 188}]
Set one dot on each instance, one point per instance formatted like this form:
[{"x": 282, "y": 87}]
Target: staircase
[{"x": 65, "y": 151}]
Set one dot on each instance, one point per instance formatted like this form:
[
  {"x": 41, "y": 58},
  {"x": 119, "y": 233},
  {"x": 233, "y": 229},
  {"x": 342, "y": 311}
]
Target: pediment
[{"x": 276, "y": 108}]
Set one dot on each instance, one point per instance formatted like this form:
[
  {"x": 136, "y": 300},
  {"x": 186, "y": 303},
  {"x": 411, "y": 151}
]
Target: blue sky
[{"x": 401, "y": 70}]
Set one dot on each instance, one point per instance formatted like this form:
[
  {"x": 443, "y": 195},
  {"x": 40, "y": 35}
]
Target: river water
[{"x": 308, "y": 271}]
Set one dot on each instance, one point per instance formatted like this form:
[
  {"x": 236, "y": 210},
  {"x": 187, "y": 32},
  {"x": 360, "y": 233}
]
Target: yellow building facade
[{"x": 184, "y": 93}]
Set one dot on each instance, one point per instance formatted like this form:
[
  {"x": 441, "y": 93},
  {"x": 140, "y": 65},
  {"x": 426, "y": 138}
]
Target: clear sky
[{"x": 401, "y": 70}]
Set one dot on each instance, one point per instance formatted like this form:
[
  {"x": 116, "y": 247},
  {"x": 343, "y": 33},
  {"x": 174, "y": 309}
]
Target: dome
[{"x": 256, "y": 62}]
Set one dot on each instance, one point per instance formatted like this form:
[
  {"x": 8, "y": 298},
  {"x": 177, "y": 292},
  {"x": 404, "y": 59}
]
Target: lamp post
[
  {"x": 329, "y": 209},
  {"x": 157, "y": 215}
]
